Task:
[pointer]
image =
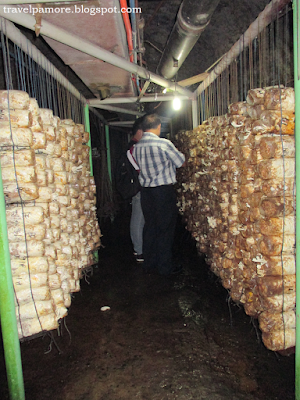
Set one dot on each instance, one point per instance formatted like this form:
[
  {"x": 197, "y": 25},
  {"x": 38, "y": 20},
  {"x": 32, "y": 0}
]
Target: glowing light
[
  {"x": 165, "y": 91},
  {"x": 176, "y": 103}
]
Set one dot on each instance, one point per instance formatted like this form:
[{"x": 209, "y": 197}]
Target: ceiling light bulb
[
  {"x": 176, "y": 103},
  {"x": 165, "y": 91}
]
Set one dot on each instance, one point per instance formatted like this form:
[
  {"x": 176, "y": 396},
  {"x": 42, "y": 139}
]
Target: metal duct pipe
[
  {"x": 132, "y": 100},
  {"x": 62, "y": 36},
  {"x": 118, "y": 109},
  {"x": 192, "y": 18}
]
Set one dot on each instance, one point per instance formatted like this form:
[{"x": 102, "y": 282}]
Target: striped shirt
[{"x": 158, "y": 159}]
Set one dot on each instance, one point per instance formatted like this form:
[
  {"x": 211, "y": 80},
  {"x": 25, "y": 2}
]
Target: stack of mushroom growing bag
[
  {"x": 237, "y": 197},
  {"x": 50, "y": 209}
]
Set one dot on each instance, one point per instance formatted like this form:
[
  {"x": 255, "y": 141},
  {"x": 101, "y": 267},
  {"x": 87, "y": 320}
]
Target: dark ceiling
[{"x": 229, "y": 21}]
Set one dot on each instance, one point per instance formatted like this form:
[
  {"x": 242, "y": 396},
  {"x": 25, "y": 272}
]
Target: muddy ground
[{"x": 162, "y": 339}]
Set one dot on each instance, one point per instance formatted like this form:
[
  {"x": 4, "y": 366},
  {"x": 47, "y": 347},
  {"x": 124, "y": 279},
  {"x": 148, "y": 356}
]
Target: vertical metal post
[
  {"x": 88, "y": 129},
  {"x": 134, "y": 39},
  {"x": 195, "y": 115},
  {"x": 11, "y": 342},
  {"x": 108, "y": 152},
  {"x": 296, "y": 18}
]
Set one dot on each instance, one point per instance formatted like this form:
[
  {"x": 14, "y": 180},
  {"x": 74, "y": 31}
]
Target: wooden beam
[{"x": 193, "y": 79}]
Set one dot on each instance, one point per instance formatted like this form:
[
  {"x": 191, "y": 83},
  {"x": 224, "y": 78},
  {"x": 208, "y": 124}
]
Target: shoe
[{"x": 139, "y": 258}]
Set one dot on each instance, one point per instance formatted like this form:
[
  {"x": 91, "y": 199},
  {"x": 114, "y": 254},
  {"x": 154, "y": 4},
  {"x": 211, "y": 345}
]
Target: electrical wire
[{"x": 127, "y": 28}]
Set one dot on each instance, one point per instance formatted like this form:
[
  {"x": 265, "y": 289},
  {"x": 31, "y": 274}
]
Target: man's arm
[{"x": 177, "y": 158}]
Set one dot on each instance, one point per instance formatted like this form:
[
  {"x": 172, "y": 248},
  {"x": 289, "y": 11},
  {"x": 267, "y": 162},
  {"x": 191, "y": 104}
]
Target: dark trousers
[{"x": 160, "y": 213}]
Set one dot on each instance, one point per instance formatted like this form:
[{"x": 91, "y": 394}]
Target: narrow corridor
[{"x": 162, "y": 339}]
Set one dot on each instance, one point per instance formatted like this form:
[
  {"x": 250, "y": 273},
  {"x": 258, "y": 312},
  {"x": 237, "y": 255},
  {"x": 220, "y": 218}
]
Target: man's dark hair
[
  {"x": 150, "y": 121},
  {"x": 137, "y": 125}
]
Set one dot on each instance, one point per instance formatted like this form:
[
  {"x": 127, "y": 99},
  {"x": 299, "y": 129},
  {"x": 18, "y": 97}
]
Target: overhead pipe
[
  {"x": 192, "y": 18},
  {"x": 134, "y": 40},
  {"x": 131, "y": 36},
  {"x": 95, "y": 112},
  {"x": 164, "y": 120},
  {"x": 296, "y": 32},
  {"x": 128, "y": 29},
  {"x": 134, "y": 31},
  {"x": 263, "y": 20},
  {"x": 118, "y": 109},
  {"x": 80, "y": 44},
  {"x": 140, "y": 22},
  {"x": 132, "y": 100}
]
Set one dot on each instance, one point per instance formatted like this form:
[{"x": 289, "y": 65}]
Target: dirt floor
[{"x": 161, "y": 339}]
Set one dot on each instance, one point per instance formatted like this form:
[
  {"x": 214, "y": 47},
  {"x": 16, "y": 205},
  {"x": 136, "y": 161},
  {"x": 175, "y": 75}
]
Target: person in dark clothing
[
  {"x": 157, "y": 159},
  {"x": 137, "y": 220}
]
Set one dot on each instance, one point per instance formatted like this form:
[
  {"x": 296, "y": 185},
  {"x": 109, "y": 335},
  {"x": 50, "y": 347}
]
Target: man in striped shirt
[{"x": 158, "y": 159}]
